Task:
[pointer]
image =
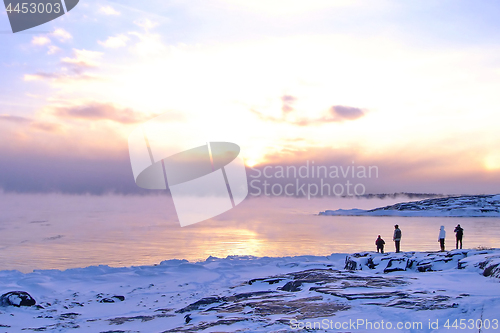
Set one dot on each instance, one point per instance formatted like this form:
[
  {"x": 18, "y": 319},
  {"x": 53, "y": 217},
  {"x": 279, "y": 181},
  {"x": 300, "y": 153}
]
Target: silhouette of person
[
  {"x": 459, "y": 234},
  {"x": 397, "y": 237},
  {"x": 380, "y": 244},
  {"x": 441, "y": 237}
]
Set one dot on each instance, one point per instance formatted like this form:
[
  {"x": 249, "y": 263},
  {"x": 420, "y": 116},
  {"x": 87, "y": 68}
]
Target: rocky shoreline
[{"x": 247, "y": 294}]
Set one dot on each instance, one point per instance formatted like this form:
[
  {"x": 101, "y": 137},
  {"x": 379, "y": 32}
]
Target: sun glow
[
  {"x": 492, "y": 162},
  {"x": 251, "y": 163}
]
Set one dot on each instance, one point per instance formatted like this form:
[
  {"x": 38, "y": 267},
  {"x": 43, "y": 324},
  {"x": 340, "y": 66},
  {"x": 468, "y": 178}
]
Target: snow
[
  {"x": 462, "y": 206},
  {"x": 260, "y": 294},
  {"x": 495, "y": 198}
]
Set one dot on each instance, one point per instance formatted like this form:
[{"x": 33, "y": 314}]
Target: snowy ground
[{"x": 363, "y": 292}]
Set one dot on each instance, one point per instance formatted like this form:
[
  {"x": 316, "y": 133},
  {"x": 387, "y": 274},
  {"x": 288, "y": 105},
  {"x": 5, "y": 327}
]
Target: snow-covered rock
[
  {"x": 461, "y": 206},
  {"x": 415, "y": 261}
]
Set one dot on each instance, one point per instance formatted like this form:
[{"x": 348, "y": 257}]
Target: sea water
[{"x": 57, "y": 231}]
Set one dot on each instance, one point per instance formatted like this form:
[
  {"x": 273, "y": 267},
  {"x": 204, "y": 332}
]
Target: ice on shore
[
  {"x": 461, "y": 206},
  {"x": 261, "y": 294}
]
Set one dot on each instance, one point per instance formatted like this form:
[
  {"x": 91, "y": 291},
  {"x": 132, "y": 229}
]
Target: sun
[
  {"x": 250, "y": 162},
  {"x": 492, "y": 162}
]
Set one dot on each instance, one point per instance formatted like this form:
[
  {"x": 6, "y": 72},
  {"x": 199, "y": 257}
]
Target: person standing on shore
[
  {"x": 380, "y": 244},
  {"x": 442, "y": 236},
  {"x": 397, "y": 237},
  {"x": 459, "y": 234}
]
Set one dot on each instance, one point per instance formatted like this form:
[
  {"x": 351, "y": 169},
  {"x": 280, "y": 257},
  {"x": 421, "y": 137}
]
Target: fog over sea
[{"x": 56, "y": 231}]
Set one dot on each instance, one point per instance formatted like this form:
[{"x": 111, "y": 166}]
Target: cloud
[
  {"x": 66, "y": 173},
  {"x": 340, "y": 112},
  {"x": 403, "y": 170},
  {"x": 146, "y": 24},
  {"x": 337, "y": 113},
  {"x": 60, "y": 77},
  {"x": 40, "y": 40},
  {"x": 287, "y": 100},
  {"x": 115, "y": 41},
  {"x": 282, "y": 8},
  {"x": 74, "y": 67},
  {"x": 81, "y": 169},
  {"x": 82, "y": 59},
  {"x": 148, "y": 45},
  {"x": 43, "y": 126},
  {"x": 102, "y": 111},
  {"x": 53, "y": 49},
  {"x": 81, "y": 157},
  {"x": 62, "y": 35},
  {"x": 14, "y": 119},
  {"x": 108, "y": 10}
]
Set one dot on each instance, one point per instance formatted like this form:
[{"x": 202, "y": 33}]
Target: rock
[
  {"x": 358, "y": 261},
  {"x": 201, "y": 303},
  {"x": 356, "y": 296},
  {"x": 482, "y": 265},
  {"x": 69, "y": 315},
  {"x": 350, "y": 265},
  {"x": 454, "y": 253},
  {"x": 292, "y": 286},
  {"x": 396, "y": 264},
  {"x": 253, "y": 294},
  {"x": 17, "y": 298},
  {"x": 143, "y": 319},
  {"x": 492, "y": 270},
  {"x": 112, "y": 299},
  {"x": 371, "y": 264},
  {"x": 107, "y": 300},
  {"x": 269, "y": 281},
  {"x": 204, "y": 325},
  {"x": 422, "y": 302},
  {"x": 424, "y": 267}
]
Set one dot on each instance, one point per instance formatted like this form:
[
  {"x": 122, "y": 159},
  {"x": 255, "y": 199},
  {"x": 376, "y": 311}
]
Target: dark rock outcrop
[
  {"x": 292, "y": 286},
  {"x": 112, "y": 299},
  {"x": 492, "y": 270},
  {"x": 350, "y": 265},
  {"x": 17, "y": 298},
  {"x": 396, "y": 264}
]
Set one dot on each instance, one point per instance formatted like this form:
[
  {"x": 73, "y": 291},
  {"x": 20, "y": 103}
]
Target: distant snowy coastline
[{"x": 460, "y": 206}]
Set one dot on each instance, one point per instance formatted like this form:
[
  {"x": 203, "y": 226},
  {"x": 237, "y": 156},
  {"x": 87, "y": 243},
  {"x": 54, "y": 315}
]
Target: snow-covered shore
[
  {"x": 261, "y": 294},
  {"x": 461, "y": 206}
]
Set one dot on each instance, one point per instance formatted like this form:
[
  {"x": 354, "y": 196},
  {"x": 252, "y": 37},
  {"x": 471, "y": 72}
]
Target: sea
[{"x": 61, "y": 231}]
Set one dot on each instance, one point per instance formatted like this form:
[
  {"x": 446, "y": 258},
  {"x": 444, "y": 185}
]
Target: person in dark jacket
[
  {"x": 397, "y": 237},
  {"x": 380, "y": 244},
  {"x": 459, "y": 234}
]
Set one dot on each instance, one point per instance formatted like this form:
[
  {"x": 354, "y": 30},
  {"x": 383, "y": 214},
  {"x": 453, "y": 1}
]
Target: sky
[{"x": 411, "y": 88}]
